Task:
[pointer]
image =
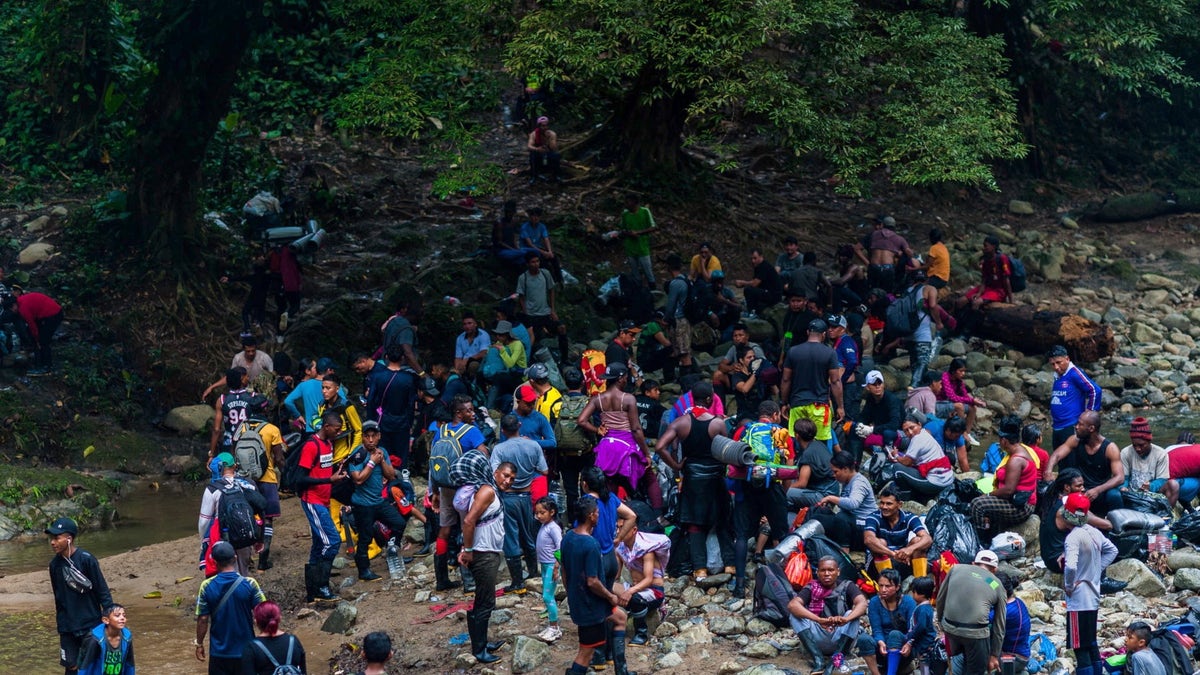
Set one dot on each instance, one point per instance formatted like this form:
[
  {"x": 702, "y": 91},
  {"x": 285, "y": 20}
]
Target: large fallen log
[{"x": 1036, "y": 331}]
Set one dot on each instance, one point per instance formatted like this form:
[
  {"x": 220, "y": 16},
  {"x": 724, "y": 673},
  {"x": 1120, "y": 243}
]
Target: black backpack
[
  {"x": 290, "y": 472},
  {"x": 904, "y": 314},
  {"x": 343, "y": 491},
  {"x": 820, "y": 546},
  {"x": 772, "y": 593},
  {"x": 1174, "y": 656},
  {"x": 236, "y": 516}
]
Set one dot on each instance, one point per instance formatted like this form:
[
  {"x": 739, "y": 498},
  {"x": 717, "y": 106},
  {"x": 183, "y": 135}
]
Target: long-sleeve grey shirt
[
  {"x": 1086, "y": 553},
  {"x": 970, "y": 605},
  {"x": 858, "y": 498}
]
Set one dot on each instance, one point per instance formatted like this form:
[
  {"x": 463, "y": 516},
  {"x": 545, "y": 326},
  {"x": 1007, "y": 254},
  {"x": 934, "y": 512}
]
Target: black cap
[
  {"x": 628, "y": 326},
  {"x": 615, "y": 372},
  {"x": 63, "y": 526},
  {"x": 222, "y": 552},
  {"x": 370, "y": 425},
  {"x": 817, "y": 326}
]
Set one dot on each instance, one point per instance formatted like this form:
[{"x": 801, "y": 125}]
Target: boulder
[
  {"x": 1141, "y": 581},
  {"x": 668, "y": 661},
  {"x": 35, "y": 253},
  {"x": 1134, "y": 376},
  {"x": 1148, "y": 282},
  {"x": 176, "y": 465},
  {"x": 695, "y": 634},
  {"x": 715, "y": 580},
  {"x": 693, "y": 597},
  {"x": 529, "y": 654},
  {"x": 1020, "y": 208},
  {"x": 766, "y": 669},
  {"x": 1176, "y": 321},
  {"x": 756, "y": 627},
  {"x": 1142, "y": 332},
  {"x": 727, "y": 625},
  {"x": 1187, "y": 579},
  {"x": 500, "y": 616},
  {"x": 760, "y": 650},
  {"x": 666, "y": 629},
  {"x": 37, "y": 224},
  {"x": 1113, "y": 315},
  {"x": 188, "y": 420},
  {"x": 1040, "y": 610},
  {"x": 761, "y": 330},
  {"x": 1182, "y": 558},
  {"x": 341, "y": 619}
]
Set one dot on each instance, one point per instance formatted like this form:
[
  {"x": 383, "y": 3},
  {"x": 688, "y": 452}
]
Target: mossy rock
[{"x": 1134, "y": 207}]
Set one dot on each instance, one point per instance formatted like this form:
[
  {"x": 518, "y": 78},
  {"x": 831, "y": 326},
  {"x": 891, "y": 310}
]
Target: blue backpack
[{"x": 1019, "y": 279}]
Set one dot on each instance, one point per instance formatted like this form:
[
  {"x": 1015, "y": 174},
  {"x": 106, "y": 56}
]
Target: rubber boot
[
  {"x": 365, "y": 573},
  {"x": 321, "y": 575},
  {"x": 309, "y": 585},
  {"x": 517, "y": 584},
  {"x": 641, "y": 633},
  {"x": 893, "y": 661},
  {"x": 479, "y": 644},
  {"x": 810, "y": 643},
  {"x": 531, "y": 563},
  {"x": 618, "y": 651},
  {"x": 441, "y": 572},
  {"x": 264, "y": 558}
]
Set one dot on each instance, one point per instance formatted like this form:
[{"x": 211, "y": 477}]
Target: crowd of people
[{"x": 542, "y": 464}]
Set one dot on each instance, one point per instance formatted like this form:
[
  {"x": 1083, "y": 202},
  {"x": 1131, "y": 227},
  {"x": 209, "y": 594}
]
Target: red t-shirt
[
  {"x": 1043, "y": 456},
  {"x": 317, "y": 457},
  {"x": 1185, "y": 461}
]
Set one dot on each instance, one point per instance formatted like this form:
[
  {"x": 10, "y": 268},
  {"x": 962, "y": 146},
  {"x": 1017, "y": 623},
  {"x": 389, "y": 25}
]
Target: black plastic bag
[
  {"x": 951, "y": 531},
  {"x": 1187, "y": 528},
  {"x": 959, "y": 495},
  {"x": 1147, "y": 502},
  {"x": 1130, "y": 545}
]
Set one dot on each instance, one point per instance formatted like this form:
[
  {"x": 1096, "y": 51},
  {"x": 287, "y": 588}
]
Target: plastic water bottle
[
  {"x": 451, "y": 300},
  {"x": 1164, "y": 537},
  {"x": 394, "y": 562}
]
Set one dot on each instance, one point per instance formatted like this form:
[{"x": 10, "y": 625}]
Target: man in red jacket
[{"x": 43, "y": 316}]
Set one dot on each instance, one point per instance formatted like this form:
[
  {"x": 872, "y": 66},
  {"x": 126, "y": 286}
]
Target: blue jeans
[
  {"x": 519, "y": 534},
  {"x": 325, "y": 538}
]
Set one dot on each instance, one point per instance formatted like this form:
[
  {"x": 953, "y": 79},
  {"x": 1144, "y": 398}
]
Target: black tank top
[
  {"x": 697, "y": 447},
  {"x": 1095, "y": 468}
]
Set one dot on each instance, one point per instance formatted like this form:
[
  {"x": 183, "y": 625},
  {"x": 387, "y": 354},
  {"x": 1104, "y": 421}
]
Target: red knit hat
[{"x": 1140, "y": 428}]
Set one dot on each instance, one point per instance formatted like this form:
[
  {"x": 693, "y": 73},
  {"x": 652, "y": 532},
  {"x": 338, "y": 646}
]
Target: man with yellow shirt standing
[{"x": 937, "y": 266}]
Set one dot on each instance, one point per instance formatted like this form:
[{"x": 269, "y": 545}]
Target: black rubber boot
[
  {"x": 441, "y": 572},
  {"x": 264, "y": 558},
  {"x": 321, "y": 592},
  {"x": 517, "y": 584},
  {"x": 477, "y": 629},
  {"x": 365, "y": 573},
  {"x": 641, "y": 633},
  {"x": 309, "y": 576},
  {"x": 618, "y": 652},
  {"x": 819, "y": 661}
]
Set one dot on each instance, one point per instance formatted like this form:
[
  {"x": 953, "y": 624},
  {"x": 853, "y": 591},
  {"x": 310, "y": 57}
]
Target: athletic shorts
[
  {"x": 592, "y": 636},
  {"x": 270, "y": 492},
  {"x": 69, "y": 646},
  {"x": 821, "y": 415},
  {"x": 1081, "y": 629},
  {"x": 447, "y": 516},
  {"x": 681, "y": 337}
]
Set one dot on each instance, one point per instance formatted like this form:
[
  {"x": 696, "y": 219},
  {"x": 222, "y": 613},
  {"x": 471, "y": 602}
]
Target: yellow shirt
[
  {"x": 939, "y": 262},
  {"x": 549, "y": 404},
  {"x": 271, "y": 438},
  {"x": 697, "y": 267}
]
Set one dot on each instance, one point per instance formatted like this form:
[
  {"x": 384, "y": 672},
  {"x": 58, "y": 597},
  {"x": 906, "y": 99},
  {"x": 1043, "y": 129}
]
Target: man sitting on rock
[
  {"x": 825, "y": 615},
  {"x": 1147, "y": 467},
  {"x": 896, "y": 539},
  {"x": 1097, "y": 458}
]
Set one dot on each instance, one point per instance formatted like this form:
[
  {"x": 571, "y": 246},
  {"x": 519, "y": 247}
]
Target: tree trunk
[
  {"x": 197, "y": 53},
  {"x": 1035, "y": 332},
  {"x": 652, "y": 131}
]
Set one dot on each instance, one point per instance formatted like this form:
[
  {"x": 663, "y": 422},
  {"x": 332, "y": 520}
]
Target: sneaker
[
  {"x": 551, "y": 634},
  {"x": 971, "y": 439}
]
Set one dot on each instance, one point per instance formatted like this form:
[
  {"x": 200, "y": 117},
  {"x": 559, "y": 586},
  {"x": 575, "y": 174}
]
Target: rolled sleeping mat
[
  {"x": 1132, "y": 520},
  {"x": 728, "y": 451},
  {"x": 787, "y": 545}
]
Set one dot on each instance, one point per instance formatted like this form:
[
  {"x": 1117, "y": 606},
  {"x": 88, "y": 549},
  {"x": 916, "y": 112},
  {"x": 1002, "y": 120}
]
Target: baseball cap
[
  {"x": 429, "y": 386},
  {"x": 615, "y": 372},
  {"x": 628, "y": 326},
  {"x": 717, "y": 274},
  {"x": 836, "y": 320},
  {"x": 325, "y": 363},
  {"x": 225, "y": 459},
  {"x": 874, "y": 377},
  {"x": 370, "y": 425},
  {"x": 503, "y": 328},
  {"x": 987, "y": 557},
  {"x": 526, "y": 393},
  {"x": 1076, "y": 509},
  {"x": 222, "y": 552},
  {"x": 817, "y": 326},
  {"x": 63, "y": 526},
  {"x": 538, "y": 371}
]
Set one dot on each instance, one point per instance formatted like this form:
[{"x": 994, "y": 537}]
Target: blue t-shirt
[
  {"x": 535, "y": 426},
  {"x": 581, "y": 560},
  {"x": 534, "y": 234},
  {"x": 233, "y": 628},
  {"x": 308, "y": 393},
  {"x": 847, "y": 351},
  {"x": 937, "y": 428},
  {"x": 1072, "y": 394},
  {"x": 370, "y": 491},
  {"x": 606, "y": 526},
  {"x": 1016, "y": 628}
]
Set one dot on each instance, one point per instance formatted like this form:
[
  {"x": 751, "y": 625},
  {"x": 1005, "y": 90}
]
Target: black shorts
[
  {"x": 1081, "y": 629},
  {"x": 69, "y": 646},
  {"x": 592, "y": 636},
  {"x": 270, "y": 492}
]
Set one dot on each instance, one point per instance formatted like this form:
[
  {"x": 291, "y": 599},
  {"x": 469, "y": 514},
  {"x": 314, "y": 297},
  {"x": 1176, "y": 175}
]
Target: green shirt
[{"x": 637, "y": 221}]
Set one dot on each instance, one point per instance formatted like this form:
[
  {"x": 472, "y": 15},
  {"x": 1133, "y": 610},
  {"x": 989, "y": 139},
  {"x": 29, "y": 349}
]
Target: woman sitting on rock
[
  {"x": 923, "y": 470},
  {"x": 1013, "y": 499},
  {"x": 891, "y": 618}
]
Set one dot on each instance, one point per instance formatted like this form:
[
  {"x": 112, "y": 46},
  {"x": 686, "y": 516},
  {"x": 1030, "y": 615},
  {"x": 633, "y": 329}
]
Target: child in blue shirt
[{"x": 922, "y": 634}]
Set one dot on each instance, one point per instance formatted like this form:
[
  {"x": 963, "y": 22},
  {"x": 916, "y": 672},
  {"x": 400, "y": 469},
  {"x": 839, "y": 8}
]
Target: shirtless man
[
  {"x": 880, "y": 250},
  {"x": 543, "y": 149}
]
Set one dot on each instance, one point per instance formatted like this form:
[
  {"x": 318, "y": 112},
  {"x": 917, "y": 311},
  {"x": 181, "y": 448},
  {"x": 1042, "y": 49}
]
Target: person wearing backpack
[
  {"x": 460, "y": 435},
  {"x": 575, "y": 445},
  {"x": 263, "y": 441},
  {"x": 273, "y": 652},
  {"x": 233, "y": 502},
  {"x": 678, "y": 291},
  {"x": 759, "y": 489},
  {"x": 226, "y": 602},
  {"x": 1140, "y": 658},
  {"x": 391, "y": 402},
  {"x": 229, "y": 411},
  {"x": 997, "y": 272},
  {"x": 826, "y": 617}
]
